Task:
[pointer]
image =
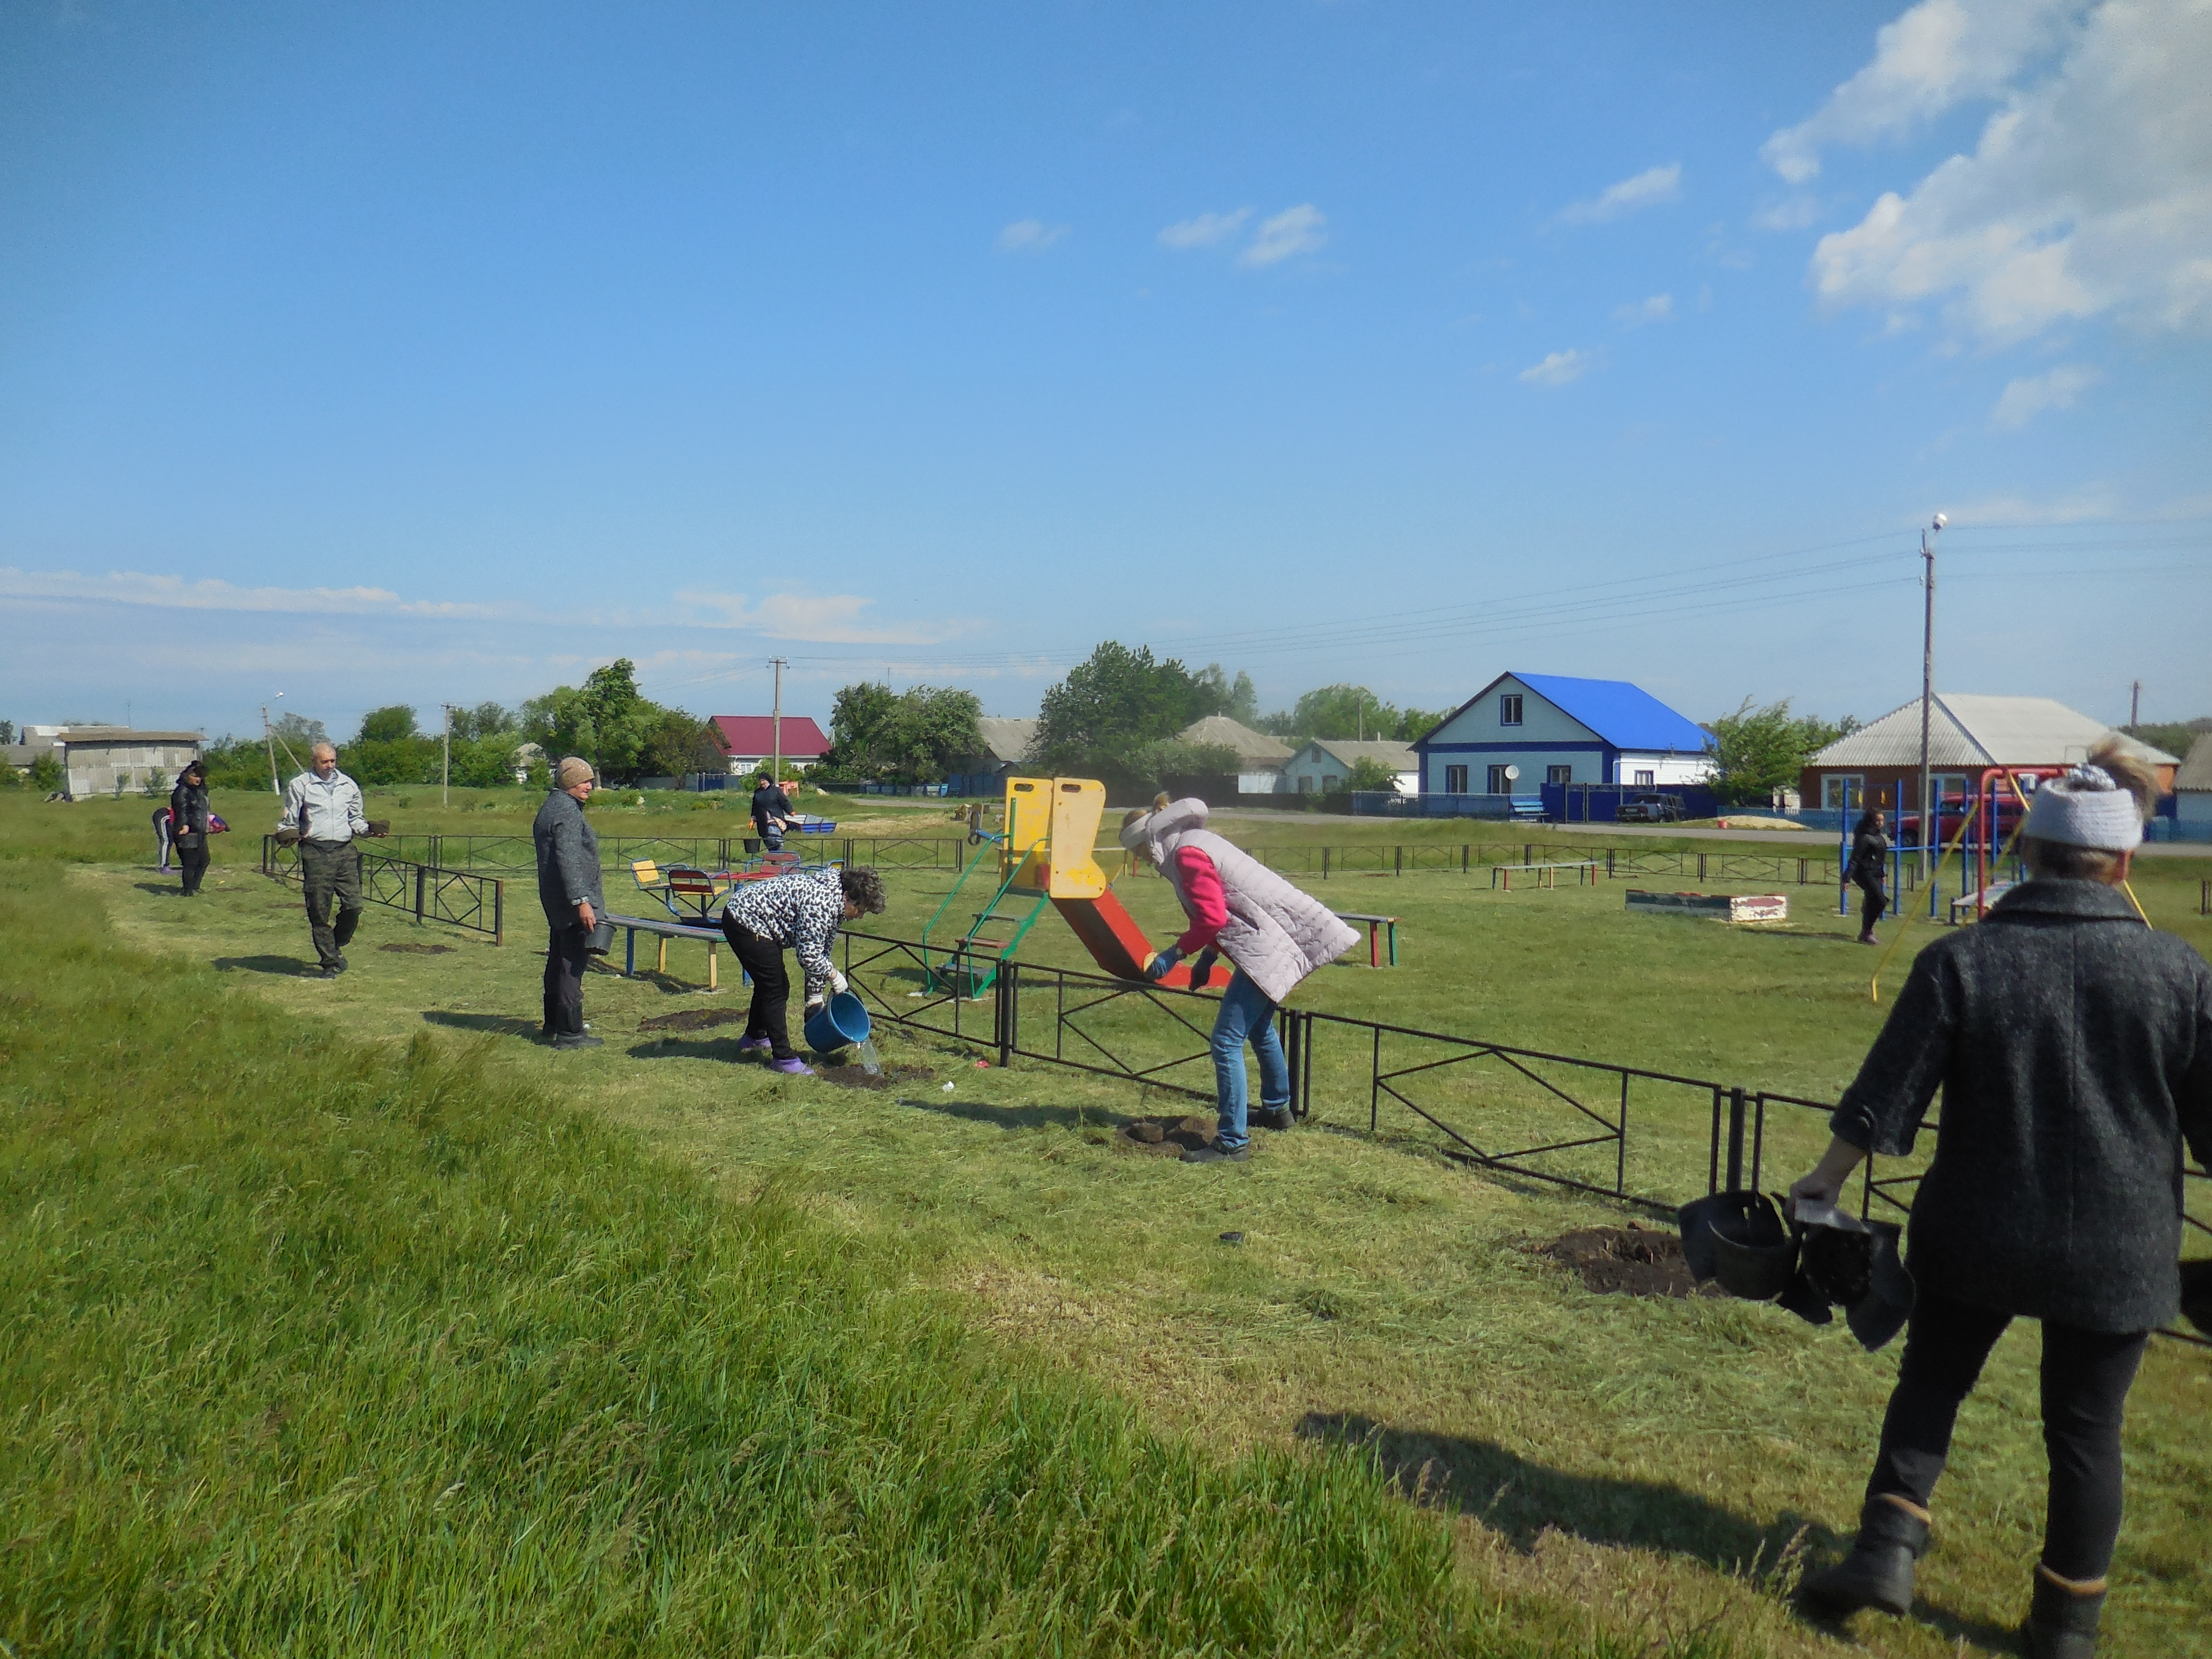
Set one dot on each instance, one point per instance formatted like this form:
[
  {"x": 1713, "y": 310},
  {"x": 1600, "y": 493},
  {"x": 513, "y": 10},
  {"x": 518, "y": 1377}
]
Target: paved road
[{"x": 1815, "y": 842}]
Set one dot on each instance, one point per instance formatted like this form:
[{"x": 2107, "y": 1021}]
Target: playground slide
[{"x": 1072, "y": 878}]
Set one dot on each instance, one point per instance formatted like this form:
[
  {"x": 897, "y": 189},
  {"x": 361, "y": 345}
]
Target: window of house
[
  {"x": 1509, "y": 711},
  {"x": 1500, "y": 783},
  {"x": 1840, "y": 792},
  {"x": 1646, "y": 778},
  {"x": 1454, "y": 780},
  {"x": 1559, "y": 773},
  {"x": 1950, "y": 788},
  {"x": 1305, "y": 783},
  {"x": 1328, "y": 781}
]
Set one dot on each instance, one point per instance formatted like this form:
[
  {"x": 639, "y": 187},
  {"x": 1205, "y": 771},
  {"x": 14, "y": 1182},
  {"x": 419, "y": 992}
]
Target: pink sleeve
[{"x": 1202, "y": 898}]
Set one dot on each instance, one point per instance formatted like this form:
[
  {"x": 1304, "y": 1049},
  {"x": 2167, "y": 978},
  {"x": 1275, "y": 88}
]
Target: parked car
[{"x": 1651, "y": 809}]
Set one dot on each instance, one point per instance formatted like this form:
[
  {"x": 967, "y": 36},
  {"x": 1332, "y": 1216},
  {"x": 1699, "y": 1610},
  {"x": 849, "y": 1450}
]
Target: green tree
[
  {"x": 679, "y": 744},
  {"x": 46, "y": 775},
  {"x": 915, "y": 735},
  {"x": 1109, "y": 708},
  {"x": 486, "y": 720},
  {"x": 1343, "y": 711},
  {"x": 1171, "y": 763},
  {"x": 390, "y": 725},
  {"x": 7, "y": 731},
  {"x": 1757, "y": 751},
  {"x": 1414, "y": 724},
  {"x": 1369, "y": 774}
]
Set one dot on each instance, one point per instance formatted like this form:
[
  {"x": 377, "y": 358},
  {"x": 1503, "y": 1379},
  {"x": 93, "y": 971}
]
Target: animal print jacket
[{"x": 801, "y": 910}]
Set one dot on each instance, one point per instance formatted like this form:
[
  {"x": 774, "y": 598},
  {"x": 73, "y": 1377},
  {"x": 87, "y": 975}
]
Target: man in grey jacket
[
  {"x": 2073, "y": 1045},
  {"x": 569, "y": 890},
  {"x": 323, "y": 808}
]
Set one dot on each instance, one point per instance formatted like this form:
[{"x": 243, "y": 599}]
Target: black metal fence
[
  {"x": 517, "y": 854},
  {"x": 1322, "y": 861},
  {"x": 458, "y": 898},
  {"x": 1563, "y": 1120}
]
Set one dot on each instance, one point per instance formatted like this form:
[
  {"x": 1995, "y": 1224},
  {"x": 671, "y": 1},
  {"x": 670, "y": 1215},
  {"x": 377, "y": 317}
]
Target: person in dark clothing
[
  {"x": 2074, "y": 1048},
  {"x": 189, "y": 826},
  {"x": 771, "y": 810},
  {"x": 569, "y": 892},
  {"x": 165, "y": 820},
  {"x": 1869, "y": 865},
  {"x": 802, "y": 911}
]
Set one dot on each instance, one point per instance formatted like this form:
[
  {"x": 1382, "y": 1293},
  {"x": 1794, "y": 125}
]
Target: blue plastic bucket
[{"x": 837, "y": 1024}]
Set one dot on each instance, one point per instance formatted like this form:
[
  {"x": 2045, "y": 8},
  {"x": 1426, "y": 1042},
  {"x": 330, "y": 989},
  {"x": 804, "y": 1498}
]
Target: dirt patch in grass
[
  {"x": 693, "y": 1019},
  {"x": 1164, "y": 1137},
  {"x": 418, "y": 950},
  {"x": 856, "y": 1077},
  {"x": 1630, "y": 1261}
]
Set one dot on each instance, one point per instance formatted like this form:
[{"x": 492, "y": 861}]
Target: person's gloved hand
[
  {"x": 1202, "y": 969},
  {"x": 814, "y": 1003},
  {"x": 836, "y": 983},
  {"x": 1164, "y": 964}
]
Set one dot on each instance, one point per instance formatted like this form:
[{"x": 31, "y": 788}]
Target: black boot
[
  {"x": 2062, "y": 1621},
  {"x": 1878, "y": 1572}
]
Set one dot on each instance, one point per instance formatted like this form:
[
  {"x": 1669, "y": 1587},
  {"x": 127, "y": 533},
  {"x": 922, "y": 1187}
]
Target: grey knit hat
[{"x": 2085, "y": 808}]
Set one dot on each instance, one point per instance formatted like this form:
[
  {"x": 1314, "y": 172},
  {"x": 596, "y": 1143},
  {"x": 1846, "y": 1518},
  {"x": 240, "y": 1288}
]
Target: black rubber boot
[
  {"x": 1278, "y": 1118},
  {"x": 1878, "y": 1572},
  {"x": 2061, "y": 1622}
]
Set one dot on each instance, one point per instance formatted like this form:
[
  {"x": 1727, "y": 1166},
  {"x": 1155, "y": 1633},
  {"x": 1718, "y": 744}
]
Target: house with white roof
[
  {"x": 1325, "y": 764},
  {"x": 1260, "y": 758},
  {"x": 1523, "y": 731},
  {"x": 2192, "y": 785},
  {"x": 1967, "y": 733}
]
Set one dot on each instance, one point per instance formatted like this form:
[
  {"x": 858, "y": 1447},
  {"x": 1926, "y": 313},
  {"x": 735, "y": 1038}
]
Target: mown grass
[
  {"x": 314, "y": 1347},
  {"x": 1662, "y": 1465}
]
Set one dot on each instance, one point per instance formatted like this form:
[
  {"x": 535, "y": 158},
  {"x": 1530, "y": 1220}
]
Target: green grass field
[{"x": 1615, "y": 1473}]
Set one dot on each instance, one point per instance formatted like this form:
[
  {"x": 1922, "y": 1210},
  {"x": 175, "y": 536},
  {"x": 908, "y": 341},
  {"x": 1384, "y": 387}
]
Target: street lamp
[{"x": 1929, "y": 839}]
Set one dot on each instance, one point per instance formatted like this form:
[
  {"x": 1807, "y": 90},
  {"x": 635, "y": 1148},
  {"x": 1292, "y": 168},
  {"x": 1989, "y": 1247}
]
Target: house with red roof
[{"x": 749, "y": 741}]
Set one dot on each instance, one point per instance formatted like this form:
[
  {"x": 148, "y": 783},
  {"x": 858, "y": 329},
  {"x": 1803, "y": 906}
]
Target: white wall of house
[{"x": 1665, "y": 769}]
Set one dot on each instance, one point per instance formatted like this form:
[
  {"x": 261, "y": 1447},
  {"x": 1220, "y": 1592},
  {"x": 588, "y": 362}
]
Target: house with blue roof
[{"x": 1523, "y": 731}]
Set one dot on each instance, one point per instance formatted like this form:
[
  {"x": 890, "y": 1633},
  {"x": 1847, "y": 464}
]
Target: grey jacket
[
  {"x": 1276, "y": 933},
  {"x": 2074, "y": 1048},
  {"x": 567, "y": 860}
]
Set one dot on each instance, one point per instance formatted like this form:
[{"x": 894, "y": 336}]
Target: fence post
[
  {"x": 1400, "y": 870},
  {"x": 1463, "y": 852},
  {"x": 421, "y": 875},
  {"x": 498, "y": 914},
  {"x": 1735, "y": 1140},
  {"x": 1007, "y": 992},
  {"x": 1324, "y": 864},
  {"x": 1608, "y": 857},
  {"x": 1289, "y": 1020},
  {"x": 1528, "y": 853},
  {"x": 1701, "y": 866}
]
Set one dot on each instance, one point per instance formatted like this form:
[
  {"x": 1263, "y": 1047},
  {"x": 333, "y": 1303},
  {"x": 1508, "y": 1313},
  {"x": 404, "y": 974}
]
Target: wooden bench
[
  {"x": 1377, "y": 926},
  {"x": 665, "y": 929},
  {"x": 1547, "y": 875}
]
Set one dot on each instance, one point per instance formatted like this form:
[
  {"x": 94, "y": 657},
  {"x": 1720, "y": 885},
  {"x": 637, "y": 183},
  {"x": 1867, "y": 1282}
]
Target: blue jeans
[{"x": 1246, "y": 1014}]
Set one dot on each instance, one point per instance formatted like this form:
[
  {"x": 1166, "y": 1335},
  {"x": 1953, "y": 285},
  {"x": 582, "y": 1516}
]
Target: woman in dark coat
[
  {"x": 189, "y": 825},
  {"x": 2073, "y": 1045},
  {"x": 1869, "y": 864}
]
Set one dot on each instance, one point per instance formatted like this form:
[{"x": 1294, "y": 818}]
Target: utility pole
[
  {"x": 269, "y": 741},
  {"x": 446, "y": 772},
  {"x": 1930, "y": 835},
  {"x": 2134, "y": 707},
  {"x": 775, "y": 769}
]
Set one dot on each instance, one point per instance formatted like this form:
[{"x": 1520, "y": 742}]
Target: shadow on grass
[
  {"x": 169, "y": 889},
  {"x": 496, "y": 1024},
  {"x": 1522, "y": 1500},
  {"x": 1019, "y": 1117},
  {"x": 655, "y": 1046},
  {"x": 290, "y": 966}
]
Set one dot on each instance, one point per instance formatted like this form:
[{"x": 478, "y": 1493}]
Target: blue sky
[{"x": 401, "y": 353}]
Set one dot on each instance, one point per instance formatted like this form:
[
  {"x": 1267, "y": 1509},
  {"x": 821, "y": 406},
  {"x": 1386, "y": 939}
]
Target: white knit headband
[{"x": 2085, "y": 808}]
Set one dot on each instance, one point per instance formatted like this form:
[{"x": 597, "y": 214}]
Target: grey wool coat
[
  {"x": 567, "y": 860},
  {"x": 2074, "y": 1048}
]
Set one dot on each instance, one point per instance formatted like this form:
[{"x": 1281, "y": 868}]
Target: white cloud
[
  {"x": 1647, "y": 189},
  {"x": 1558, "y": 367},
  {"x": 1790, "y": 213},
  {"x": 1659, "y": 308},
  {"x": 1937, "y": 55},
  {"x": 1206, "y": 230},
  {"x": 1030, "y": 236},
  {"x": 2023, "y": 399},
  {"x": 136, "y": 587},
  {"x": 2088, "y": 504},
  {"x": 2090, "y": 189},
  {"x": 823, "y": 619},
  {"x": 1294, "y": 230}
]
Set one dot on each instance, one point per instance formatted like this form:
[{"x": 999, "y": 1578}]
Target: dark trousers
[
  {"x": 1872, "y": 904},
  {"x": 2085, "y": 1378},
  {"x": 771, "y": 988},
  {"x": 565, "y": 956},
  {"x": 331, "y": 870},
  {"x": 193, "y": 862}
]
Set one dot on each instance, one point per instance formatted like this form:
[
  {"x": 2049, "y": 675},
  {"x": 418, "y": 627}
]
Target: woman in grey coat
[
  {"x": 1273, "y": 934},
  {"x": 2073, "y": 1045}
]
